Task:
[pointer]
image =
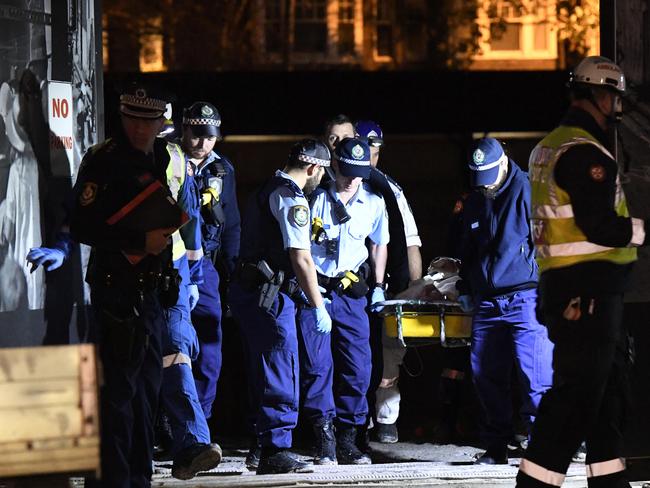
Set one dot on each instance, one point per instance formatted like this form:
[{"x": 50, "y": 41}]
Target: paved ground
[{"x": 403, "y": 464}]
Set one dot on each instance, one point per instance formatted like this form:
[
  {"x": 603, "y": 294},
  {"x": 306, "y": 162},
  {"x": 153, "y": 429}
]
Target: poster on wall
[{"x": 48, "y": 119}]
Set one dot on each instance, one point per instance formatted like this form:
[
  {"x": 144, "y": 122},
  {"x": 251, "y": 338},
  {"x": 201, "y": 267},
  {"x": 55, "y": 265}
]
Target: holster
[
  {"x": 169, "y": 288},
  {"x": 351, "y": 284},
  {"x": 261, "y": 277}
]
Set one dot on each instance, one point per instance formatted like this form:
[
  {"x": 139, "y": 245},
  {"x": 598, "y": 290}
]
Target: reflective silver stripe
[
  {"x": 569, "y": 249},
  {"x": 194, "y": 255},
  {"x": 605, "y": 467},
  {"x": 638, "y": 232},
  {"x": 553, "y": 211},
  {"x": 176, "y": 358},
  {"x": 540, "y": 473}
]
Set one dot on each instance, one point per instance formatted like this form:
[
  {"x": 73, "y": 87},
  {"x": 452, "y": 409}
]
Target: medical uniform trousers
[
  {"x": 506, "y": 331},
  {"x": 588, "y": 398}
]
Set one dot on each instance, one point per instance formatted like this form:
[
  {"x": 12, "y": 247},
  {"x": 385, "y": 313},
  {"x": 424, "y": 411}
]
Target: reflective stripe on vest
[
  {"x": 540, "y": 473},
  {"x": 605, "y": 467},
  {"x": 559, "y": 241},
  {"x": 176, "y": 171}
]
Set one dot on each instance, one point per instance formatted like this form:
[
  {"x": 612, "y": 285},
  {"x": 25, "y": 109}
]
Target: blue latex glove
[
  {"x": 193, "y": 293},
  {"x": 378, "y": 295},
  {"x": 323, "y": 319},
  {"x": 466, "y": 303},
  {"x": 48, "y": 257}
]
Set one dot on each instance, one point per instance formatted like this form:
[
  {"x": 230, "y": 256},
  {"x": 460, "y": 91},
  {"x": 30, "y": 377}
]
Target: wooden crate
[{"x": 49, "y": 421}]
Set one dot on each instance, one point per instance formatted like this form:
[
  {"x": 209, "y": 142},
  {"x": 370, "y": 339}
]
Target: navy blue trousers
[
  {"x": 272, "y": 346},
  {"x": 344, "y": 354},
  {"x": 178, "y": 395},
  {"x": 206, "y": 318},
  {"x": 130, "y": 350},
  {"x": 506, "y": 333}
]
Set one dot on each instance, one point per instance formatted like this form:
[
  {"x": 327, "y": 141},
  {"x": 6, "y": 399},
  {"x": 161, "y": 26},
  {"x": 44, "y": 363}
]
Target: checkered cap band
[
  {"x": 355, "y": 162},
  {"x": 312, "y": 160},
  {"x": 188, "y": 121},
  {"x": 143, "y": 102}
]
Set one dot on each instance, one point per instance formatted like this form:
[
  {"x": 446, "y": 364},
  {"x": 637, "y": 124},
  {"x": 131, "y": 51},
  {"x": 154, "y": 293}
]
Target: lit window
[
  {"x": 384, "y": 28},
  {"x": 310, "y": 30},
  {"x": 346, "y": 26},
  {"x": 151, "y": 48},
  {"x": 505, "y": 37},
  {"x": 105, "y": 49},
  {"x": 541, "y": 36}
]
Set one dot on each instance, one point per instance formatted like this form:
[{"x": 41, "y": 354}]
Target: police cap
[
  {"x": 144, "y": 101},
  {"x": 203, "y": 119},
  {"x": 485, "y": 162},
  {"x": 311, "y": 151},
  {"x": 353, "y": 156},
  {"x": 370, "y": 132}
]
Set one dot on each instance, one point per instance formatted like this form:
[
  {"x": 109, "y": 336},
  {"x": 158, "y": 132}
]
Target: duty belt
[
  {"x": 351, "y": 284},
  {"x": 249, "y": 276}
]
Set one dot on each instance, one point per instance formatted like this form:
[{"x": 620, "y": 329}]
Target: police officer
[
  {"x": 275, "y": 265},
  {"x": 215, "y": 177},
  {"x": 585, "y": 243},
  {"x": 127, "y": 297},
  {"x": 499, "y": 280},
  {"x": 190, "y": 448},
  {"x": 404, "y": 264},
  {"x": 347, "y": 213}
]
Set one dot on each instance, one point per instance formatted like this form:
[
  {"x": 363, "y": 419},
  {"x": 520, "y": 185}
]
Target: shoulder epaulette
[{"x": 217, "y": 168}]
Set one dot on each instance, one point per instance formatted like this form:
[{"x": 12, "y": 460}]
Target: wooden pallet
[{"x": 49, "y": 421}]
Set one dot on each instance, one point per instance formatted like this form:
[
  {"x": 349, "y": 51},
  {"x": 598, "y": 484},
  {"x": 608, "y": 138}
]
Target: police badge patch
[
  {"x": 300, "y": 215},
  {"x": 88, "y": 194},
  {"x": 478, "y": 157},
  {"x": 206, "y": 111},
  {"x": 597, "y": 172},
  {"x": 357, "y": 152}
]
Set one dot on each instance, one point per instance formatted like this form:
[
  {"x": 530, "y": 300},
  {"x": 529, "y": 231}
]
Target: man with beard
[
  {"x": 275, "y": 266},
  {"x": 348, "y": 213},
  {"x": 214, "y": 176}
]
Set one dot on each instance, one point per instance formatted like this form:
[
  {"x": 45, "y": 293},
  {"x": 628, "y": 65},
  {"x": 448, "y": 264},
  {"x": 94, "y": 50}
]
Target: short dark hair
[{"x": 339, "y": 119}]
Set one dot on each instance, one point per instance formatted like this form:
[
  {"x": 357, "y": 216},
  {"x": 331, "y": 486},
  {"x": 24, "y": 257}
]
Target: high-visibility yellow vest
[
  {"x": 559, "y": 242},
  {"x": 176, "y": 171}
]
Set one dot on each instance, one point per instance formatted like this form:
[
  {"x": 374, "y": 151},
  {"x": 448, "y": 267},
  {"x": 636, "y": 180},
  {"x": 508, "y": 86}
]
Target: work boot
[
  {"x": 346, "y": 448},
  {"x": 325, "y": 442},
  {"x": 277, "y": 461},
  {"x": 386, "y": 433},
  {"x": 363, "y": 438},
  {"x": 493, "y": 455},
  {"x": 253, "y": 457},
  {"x": 194, "y": 459}
]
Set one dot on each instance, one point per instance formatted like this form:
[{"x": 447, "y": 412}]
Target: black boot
[
  {"x": 496, "y": 454},
  {"x": 325, "y": 442},
  {"x": 346, "y": 448},
  {"x": 386, "y": 433},
  {"x": 277, "y": 461},
  {"x": 253, "y": 456},
  {"x": 194, "y": 459}
]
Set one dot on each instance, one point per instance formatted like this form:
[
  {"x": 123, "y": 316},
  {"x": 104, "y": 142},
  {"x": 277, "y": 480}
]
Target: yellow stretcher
[{"x": 416, "y": 322}]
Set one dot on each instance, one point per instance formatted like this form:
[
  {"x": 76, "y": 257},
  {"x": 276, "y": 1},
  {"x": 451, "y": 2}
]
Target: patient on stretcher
[{"x": 438, "y": 284}]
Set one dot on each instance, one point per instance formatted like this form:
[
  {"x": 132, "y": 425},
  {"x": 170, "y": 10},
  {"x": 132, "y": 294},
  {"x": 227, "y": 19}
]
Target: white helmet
[{"x": 599, "y": 71}]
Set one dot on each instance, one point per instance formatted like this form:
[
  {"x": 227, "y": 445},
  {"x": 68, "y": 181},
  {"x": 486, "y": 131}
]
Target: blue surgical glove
[
  {"x": 48, "y": 257},
  {"x": 323, "y": 319},
  {"x": 466, "y": 303},
  {"x": 193, "y": 293},
  {"x": 377, "y": 296}
]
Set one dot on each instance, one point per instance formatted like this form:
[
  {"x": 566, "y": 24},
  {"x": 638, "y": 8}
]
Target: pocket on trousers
[
  {"x": 280, "y": 378},
  {"x": 543, "y": 361}
]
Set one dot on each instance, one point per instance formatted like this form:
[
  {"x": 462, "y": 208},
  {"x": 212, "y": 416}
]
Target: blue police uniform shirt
[
  {"x": 344, "y": 248},
  {"x": 291, "y": 210},
  {"x": 227, "y": 237}
]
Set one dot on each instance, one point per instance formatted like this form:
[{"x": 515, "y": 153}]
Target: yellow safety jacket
[
  {"x": 176, "y": 171},
  {"x": 559, "y": 242}
]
